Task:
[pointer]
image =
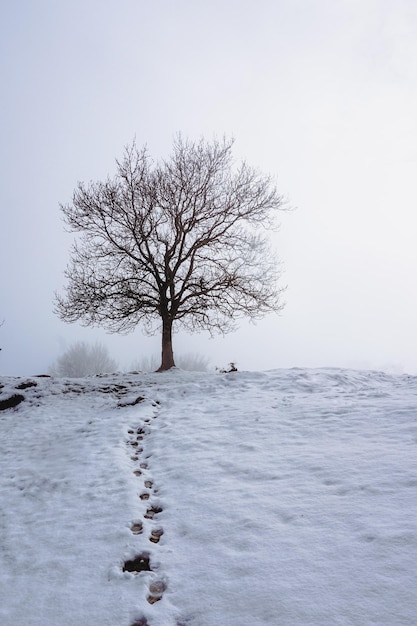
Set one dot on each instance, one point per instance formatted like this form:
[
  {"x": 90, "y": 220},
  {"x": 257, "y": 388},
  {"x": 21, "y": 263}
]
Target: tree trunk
[{"x": 167, "y": 353}]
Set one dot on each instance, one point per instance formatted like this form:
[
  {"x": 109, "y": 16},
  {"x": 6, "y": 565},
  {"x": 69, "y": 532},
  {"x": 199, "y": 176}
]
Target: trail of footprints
[{"x": 142, "y": 561}]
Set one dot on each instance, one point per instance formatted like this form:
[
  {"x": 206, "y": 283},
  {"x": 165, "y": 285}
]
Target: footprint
[
  {"x": 148, "y": 484},
  {"x": 137, "y": 473},
  {"x": 156, "y": 535},
  {"x": 137, "y": 528},
  {"x": 152, "y": 511},
  {"x": 156, "y": 590},
  {"x": 144, "y": 496},
  {"x": 140, "y": 621}
]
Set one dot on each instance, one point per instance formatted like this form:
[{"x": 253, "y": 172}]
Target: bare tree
[
  {"x": 81, "y": 360},
  {"x": 177, "y": 240}
]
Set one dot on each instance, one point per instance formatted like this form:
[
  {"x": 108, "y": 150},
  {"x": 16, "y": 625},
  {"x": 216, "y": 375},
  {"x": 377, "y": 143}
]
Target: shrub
[
  {"x": 191, "y": 362},
  {"x": 81, "y": 360}
]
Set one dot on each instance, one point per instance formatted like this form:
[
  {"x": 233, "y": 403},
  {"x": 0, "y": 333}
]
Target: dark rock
[{"x": 11, "y": 401}]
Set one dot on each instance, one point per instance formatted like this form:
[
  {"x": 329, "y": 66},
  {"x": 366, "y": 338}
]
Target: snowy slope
[{"x": 283, "y": 498}]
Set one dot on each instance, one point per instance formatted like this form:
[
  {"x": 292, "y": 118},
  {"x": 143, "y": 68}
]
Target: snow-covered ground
[{"x": 286, "y": 498}]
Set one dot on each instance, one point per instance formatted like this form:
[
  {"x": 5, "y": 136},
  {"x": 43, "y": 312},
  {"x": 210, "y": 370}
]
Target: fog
[{"x": 321, "y": 94}]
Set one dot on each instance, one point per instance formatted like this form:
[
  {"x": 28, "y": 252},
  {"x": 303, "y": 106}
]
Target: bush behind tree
[
  {"x": 82, "y": 359},
  {"x": 190, "y": 362}
]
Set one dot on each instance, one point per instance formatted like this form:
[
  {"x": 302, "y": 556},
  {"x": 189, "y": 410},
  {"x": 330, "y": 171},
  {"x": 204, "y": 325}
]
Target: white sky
[{"x": 320, "y": 93}]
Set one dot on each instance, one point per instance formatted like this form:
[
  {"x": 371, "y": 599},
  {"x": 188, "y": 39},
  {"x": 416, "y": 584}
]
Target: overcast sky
[{"x": 322, "y": 94}]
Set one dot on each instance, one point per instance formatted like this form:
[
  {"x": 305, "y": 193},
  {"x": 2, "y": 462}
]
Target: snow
[{"x": 284, "y": 497}]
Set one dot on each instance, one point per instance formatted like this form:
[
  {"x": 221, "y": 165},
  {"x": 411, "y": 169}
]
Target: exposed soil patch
[
  {"x": 26, "y": 384},
  {"x": 133, "y": 402},
  {"x": 74, "y": 389},
  {"x": 141, "y": 621},
  {"x": 139, "y": 564},
  {"x": 11, "y": 401},
  {"x": 116, "y": 389}
]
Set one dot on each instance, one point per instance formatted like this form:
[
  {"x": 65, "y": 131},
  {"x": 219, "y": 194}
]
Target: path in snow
[{"x": 149, "y": 524}]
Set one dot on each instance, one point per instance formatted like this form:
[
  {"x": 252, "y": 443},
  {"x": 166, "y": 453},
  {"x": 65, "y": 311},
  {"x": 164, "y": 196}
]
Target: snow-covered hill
[{"x": 284, "y": 498}]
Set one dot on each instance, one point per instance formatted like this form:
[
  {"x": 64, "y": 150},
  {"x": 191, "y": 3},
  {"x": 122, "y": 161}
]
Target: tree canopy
[{"x": 181, "y": 240}]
